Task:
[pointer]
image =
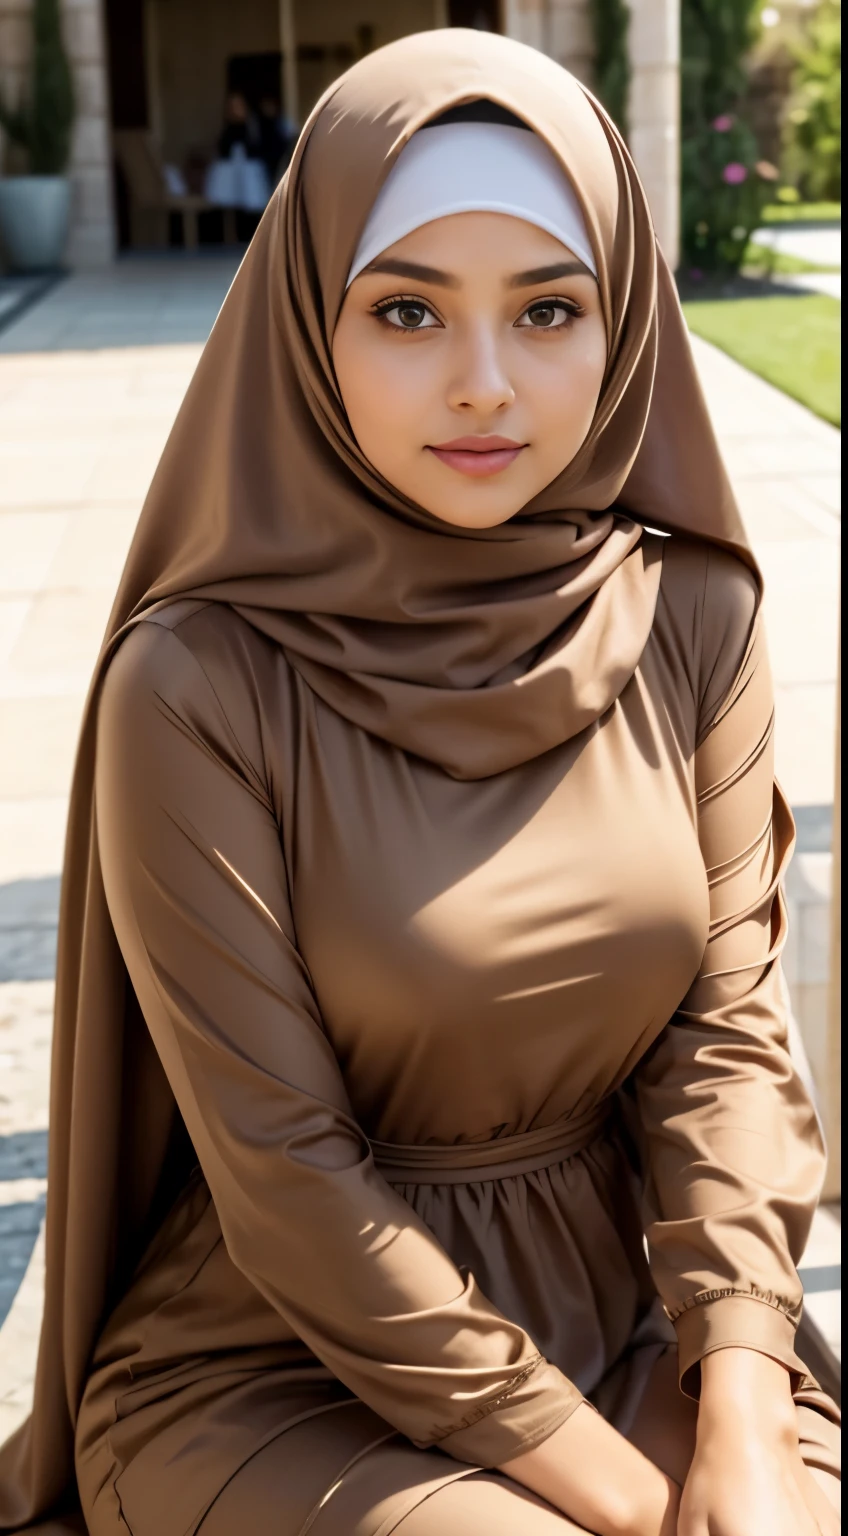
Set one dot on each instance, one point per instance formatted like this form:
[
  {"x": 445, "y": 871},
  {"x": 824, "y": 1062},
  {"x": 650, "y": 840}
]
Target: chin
[
  {"x": 473, "y": 517},
  {"x": 487, "y": 506}
]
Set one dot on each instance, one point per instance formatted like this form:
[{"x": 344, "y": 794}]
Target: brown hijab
[{"x": 477, "y": 649}]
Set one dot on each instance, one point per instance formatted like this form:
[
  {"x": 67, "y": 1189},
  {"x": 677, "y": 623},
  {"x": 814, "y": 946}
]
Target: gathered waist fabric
[{"x": 504, "y": 1157}]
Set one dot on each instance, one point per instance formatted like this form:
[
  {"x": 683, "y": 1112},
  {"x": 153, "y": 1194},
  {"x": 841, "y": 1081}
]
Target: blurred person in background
[
  {"x": 240, "y": 128},
  {"x": 276, "y": 138}
]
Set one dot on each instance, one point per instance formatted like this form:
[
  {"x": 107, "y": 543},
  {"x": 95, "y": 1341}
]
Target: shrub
[
  {"x": 725, "y": 188},
  {"x": 610, "y": 21},
  {"x": 725, "y": 182},
  {"x": 43, "y": 124},
  {"x": 814, "y": 128}
]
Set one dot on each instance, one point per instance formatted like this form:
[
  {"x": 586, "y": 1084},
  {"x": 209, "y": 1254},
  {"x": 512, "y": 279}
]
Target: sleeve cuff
[
  {"x": 741, "y": 1322},
  {"x": 518, "y": 1422}
]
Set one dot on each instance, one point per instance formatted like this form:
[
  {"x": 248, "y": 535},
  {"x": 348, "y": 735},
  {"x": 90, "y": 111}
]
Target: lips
[{"x": 478, "y": 456}]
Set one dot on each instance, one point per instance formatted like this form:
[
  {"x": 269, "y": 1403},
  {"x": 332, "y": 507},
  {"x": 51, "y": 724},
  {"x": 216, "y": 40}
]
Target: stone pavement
[
  {"x": 90, "y": 379},
  {"x": 820, "y": 244}
]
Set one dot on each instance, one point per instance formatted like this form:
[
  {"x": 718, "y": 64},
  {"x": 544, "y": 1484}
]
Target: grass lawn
[
  {"x": 792, "y": 342},
  {"x": 802, "y": 213}
]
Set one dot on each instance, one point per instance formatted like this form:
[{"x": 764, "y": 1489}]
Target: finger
[
  {"x": 804, "y": 1518},
  {"x": 818, "y": 1502}
]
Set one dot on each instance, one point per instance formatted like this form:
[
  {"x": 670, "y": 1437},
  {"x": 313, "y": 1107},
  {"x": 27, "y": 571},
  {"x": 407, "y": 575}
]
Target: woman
[{"x": 424, "y": 824}]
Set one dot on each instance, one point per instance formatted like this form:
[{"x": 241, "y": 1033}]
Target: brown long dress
[
  {"x": 332, "y": 943},
  {"x": 420, "y": 924}
]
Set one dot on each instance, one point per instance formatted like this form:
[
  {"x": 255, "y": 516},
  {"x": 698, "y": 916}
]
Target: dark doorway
[
  {"x": 483, "y": 15},
  {"x": 254, "y": 76},
  {"x": 127, "y": 88}
]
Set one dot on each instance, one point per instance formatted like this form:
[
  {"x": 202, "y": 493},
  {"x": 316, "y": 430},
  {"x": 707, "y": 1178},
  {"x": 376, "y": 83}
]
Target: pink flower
[
  {"x": 724, "y": 123},
  {"x": 734, "y": 174}
]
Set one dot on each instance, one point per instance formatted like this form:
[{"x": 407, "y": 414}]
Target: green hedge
[
  {"x": 725, "y": 182},
  {"x": 611, "y": 27}
]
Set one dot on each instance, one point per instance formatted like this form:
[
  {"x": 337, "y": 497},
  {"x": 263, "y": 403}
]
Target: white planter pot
[{"x": 34, "y": 214}]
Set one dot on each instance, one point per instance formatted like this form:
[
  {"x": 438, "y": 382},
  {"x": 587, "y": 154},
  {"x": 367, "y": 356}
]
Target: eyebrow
[
  {"x": 440, "y": 279},
  {"x": 573, "y": 268},
  {"x": 414, "y": 270}
]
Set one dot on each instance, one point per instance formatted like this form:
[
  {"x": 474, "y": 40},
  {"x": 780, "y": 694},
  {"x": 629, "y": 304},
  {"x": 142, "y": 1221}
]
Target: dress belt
[{"x": 505, "y": 1157}]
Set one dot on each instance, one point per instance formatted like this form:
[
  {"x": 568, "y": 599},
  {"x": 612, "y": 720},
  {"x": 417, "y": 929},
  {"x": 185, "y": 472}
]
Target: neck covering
[
  {"x": 473, "y": 168},
  {"x": 474, "y": 648}
]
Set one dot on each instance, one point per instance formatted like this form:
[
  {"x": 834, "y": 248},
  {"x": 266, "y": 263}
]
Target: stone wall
[
  {"x": 92, "y": 237},
  {"x": 558, "y": 27}
]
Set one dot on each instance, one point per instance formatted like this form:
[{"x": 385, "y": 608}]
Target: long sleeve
[
  {"x": 196, "y": 881},
  {"x": 734, "y": 1151}
]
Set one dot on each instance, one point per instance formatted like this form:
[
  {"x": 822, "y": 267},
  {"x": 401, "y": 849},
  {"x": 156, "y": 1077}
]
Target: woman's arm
[
  {"x": 588, "y": 1470},
  {"x": 748, "y": 1475},
  {"x": 734, "y": 1152},
  {"x": 197, "y": 888}
]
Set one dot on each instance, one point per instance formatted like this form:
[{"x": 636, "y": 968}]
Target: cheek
[
  {"x": 565, "y": 391},
  {"x": 385, "y": 393}
]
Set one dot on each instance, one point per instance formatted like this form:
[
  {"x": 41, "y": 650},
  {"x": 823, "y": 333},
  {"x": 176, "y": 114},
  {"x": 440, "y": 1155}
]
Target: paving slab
[
  {"x": 819, "y": 244},
  {"x": 828, "y": 283}
]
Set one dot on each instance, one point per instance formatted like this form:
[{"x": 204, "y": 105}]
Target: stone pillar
[
  {"x": 563, "y": 29},
  {"x": 655, "y": 113},
  {"x": 91, "y": 241},
  {"x": 93, "y": 236}
]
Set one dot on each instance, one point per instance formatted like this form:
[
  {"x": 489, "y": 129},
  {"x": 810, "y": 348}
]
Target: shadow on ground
[
  {"x": 29, "y": 918},
  {"x": 167, "y": 298}
]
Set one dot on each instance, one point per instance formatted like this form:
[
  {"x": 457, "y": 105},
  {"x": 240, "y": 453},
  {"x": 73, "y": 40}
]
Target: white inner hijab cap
[{"x": 473, "y": 168}]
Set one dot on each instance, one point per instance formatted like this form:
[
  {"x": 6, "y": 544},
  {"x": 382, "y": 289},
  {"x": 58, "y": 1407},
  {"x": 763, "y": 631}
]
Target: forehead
[{"x": 465, "y": 243}]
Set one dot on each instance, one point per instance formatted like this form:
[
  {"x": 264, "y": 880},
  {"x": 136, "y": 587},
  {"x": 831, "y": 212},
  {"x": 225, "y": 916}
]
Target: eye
[
  {"x": 549, "y": 315},
  {"x": 406, "y": 314}
]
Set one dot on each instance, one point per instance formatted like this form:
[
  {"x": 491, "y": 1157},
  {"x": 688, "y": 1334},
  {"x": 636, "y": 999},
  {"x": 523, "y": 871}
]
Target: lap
[
  {"x": 391, "y": 1487},
  {"x": 400, "y": 1491}
]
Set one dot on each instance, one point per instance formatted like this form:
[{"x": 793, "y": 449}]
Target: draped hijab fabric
[{"x": 475, "y": 649}]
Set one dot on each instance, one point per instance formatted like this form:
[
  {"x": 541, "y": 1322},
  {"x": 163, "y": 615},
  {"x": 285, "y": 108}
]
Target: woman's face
[{"x": 470, "y": 357}]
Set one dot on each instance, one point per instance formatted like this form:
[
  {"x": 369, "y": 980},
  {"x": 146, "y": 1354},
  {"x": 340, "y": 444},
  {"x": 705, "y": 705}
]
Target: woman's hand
[
  {"x": 590, "y": 1472},
  {"x": 747, "y": 1476}
]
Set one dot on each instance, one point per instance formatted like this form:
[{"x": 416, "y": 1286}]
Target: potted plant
[{"x": 34, "y": 208}]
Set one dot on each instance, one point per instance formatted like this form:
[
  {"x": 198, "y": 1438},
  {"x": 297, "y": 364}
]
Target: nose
[{"x": 480, "y": 382}]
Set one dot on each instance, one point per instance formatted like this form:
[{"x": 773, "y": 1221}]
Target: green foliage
[
  {"x": 725, "y": 183},
  {"x": 611, "y": 25},
  {"x": 43, "y": 124},
  {"x": 716, "y": 36},
  {"x": 814, "y": 129}
]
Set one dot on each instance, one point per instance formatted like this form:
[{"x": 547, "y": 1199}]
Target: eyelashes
[
  {"x": 400, "y": 304},
  {"x": 552, "y": 313},
  {"x": 569, "y": 308}
]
